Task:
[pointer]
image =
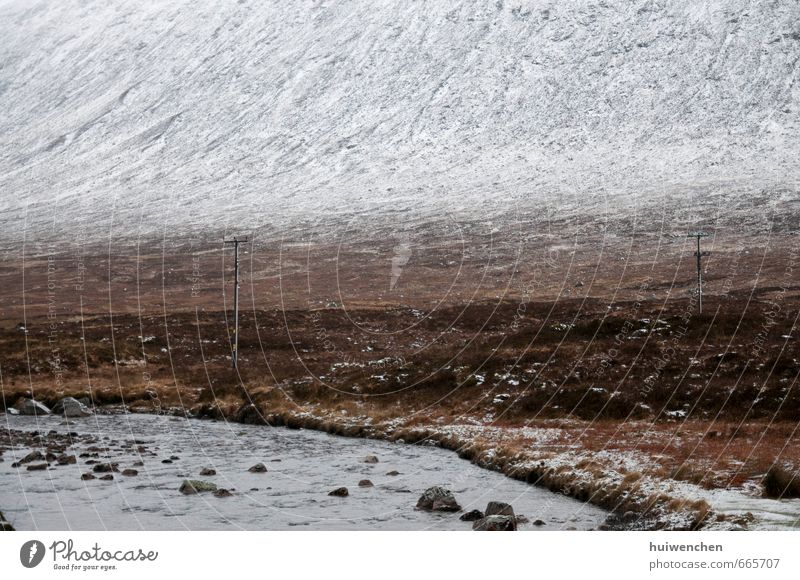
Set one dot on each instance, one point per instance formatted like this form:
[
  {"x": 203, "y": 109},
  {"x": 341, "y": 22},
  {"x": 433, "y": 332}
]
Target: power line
[
  {"x": 699, "y": 255},
  {"x": 235, "y": 347}
]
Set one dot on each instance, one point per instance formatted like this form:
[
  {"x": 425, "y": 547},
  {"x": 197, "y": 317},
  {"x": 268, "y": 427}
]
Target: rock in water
[
  {"x": 105, "y": 467},
  {"x": 129, "y": 472},
  {"x": 495, "y": 524},
  {"x": 37, "y": 466},
  {"x": 438, "y": 499},
  {"x": 258, "y": 468},
  {"x": 365, "y": 483},
  {"x": 107, "y": 477},
  {"x": 472, "y": 516},
  {"x": 193, "y": 486},
  {"x": 340, "y": 492},
  {"x": 65, "y": 459},
  {"x": 32, "y": 407},
  {"x": 70, "y": 407},
  {"x": 371, "y": 459},
  {"x": 206, "y": 471},
  {"x": 87, "y": 476},
  {"x": 393, "y": 473},
  {"x": 32, "y": 456},
  {"x": 222, "y": 493},
  {"x": 499, "y": 508}
]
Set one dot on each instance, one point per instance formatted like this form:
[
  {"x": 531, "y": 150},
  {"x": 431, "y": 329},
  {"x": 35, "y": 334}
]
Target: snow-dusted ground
[
  {"x": 546, "y": 444},
  {"x": 130, "y": 114}
]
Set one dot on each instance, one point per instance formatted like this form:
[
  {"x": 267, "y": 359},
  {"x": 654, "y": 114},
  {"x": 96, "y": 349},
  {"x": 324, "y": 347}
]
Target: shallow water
[
  {"x": 770, "y": 514},
  {"x": 303, "y": 466}
]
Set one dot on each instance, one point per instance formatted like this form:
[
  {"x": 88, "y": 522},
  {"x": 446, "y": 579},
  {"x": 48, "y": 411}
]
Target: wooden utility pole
[
  {"x": 699, "y": 255},
  {"x": 235, "y": 347}
]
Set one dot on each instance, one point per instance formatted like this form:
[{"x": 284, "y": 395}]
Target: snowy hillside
[{"x": 143, "y": 115}]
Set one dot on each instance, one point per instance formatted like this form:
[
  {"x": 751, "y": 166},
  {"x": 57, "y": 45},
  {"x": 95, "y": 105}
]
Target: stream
[{"x": 302, "y": 467}]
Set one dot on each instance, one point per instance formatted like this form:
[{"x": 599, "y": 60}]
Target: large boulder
[
  {"x": 499, "y": 508},
  {"x": 193, "y": 486},
  {"x": 438, "y": 499},
  {"x": 71, "y": 407},
  {"x": 33, "y": 407},
  {"x": 495, "y": 524}
]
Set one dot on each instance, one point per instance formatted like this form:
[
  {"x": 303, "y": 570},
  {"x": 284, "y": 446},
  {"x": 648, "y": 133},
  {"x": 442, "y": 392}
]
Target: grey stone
[
  {"x": 105, "y": 467},
  {"x": 496, "y": 523},
  {"x": 66, "y": 459},
  {"x": 193, "y": 486},
  {"x": 472, "y": 516},
  {"x": 70, "y": 407},
  {"x": 499, "y": 508},
  {"x": 438, "y": 499},
  {"x": 32, "y": 456},
  {"x": 32, "y": 407}
]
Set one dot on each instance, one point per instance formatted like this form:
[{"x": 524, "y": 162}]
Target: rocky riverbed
[{"x": 137, "y": 471}]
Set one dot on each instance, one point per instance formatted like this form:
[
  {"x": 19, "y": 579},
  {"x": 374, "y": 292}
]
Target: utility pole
[
  {"x": 235, "y": 352},
  {"x": 699, "y": 255}
]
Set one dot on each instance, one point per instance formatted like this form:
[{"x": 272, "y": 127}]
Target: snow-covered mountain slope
[{"x": 142, "y": 115}]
